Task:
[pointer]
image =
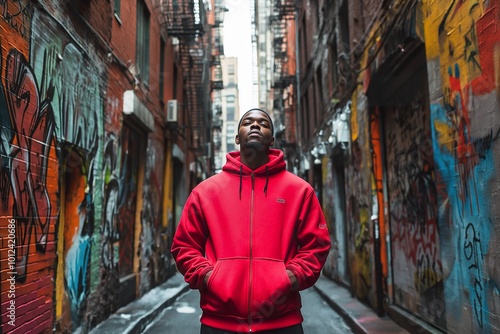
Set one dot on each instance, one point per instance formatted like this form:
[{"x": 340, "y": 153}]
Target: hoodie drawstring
[
  {"x": 267, "y": 180},
  {"x": 265, "y": 186},
  {"x": 241, "y": 178}
]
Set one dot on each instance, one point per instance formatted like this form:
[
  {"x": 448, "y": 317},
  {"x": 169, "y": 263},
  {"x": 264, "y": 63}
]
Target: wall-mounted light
[
  {"x": 343, "y": 133},
  {"x": 317, "y": 152}
]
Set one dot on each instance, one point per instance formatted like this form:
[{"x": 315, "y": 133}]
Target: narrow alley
[{"x": 385, "y": 113}]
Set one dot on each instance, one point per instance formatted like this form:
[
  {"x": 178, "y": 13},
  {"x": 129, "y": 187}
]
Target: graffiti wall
[
  {"x": 331, "y": 266},
  {"x": 71, "y": 77},
  {"x": 28, "y": 179},
  {"x": 441, "y": 161},
  {"x": 359, "y": 205},
  {"x": 76, "y": 187},
  {"x": 155, "y": 258},
  {"x": 416, "y": 255},
  {"x": 463, "y": 52}
]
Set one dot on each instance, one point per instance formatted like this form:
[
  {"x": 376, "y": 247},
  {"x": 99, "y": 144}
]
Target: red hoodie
[{"x": 249, "y": 227}]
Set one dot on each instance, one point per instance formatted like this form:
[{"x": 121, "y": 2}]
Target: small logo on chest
[{"x": 280, "y": 200}]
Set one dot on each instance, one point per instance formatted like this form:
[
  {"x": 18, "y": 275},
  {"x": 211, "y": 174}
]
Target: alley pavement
[{"x": 136, "y": 316}]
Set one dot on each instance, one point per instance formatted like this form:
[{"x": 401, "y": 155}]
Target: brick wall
[{"x": 64, "y": 70}]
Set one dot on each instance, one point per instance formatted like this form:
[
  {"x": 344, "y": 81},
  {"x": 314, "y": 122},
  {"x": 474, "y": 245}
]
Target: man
[{"x": 251, "y": 237}]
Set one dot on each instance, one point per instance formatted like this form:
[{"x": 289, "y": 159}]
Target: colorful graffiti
[
  {"x": 61, "y": 176},
  {"x": 150, "y": 220},
  {"x": 28, "y": 141},
  {"x": 465, "y": 136},
  {"x": 28, "y": 173},
  {"x": 112, "y": 195},
  {"x": 361, "y": 252},
  {"x": 412, "y": 201},
  {"x": 77, "y": 110},
  {"x": 71, "y": 79}
]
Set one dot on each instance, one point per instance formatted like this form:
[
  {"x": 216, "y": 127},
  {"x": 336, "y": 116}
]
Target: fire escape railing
[
  {"x": 217, "y": 49},
  {"x": 184, "y": 17},
  {"x": 282, "y": 78},
  {"x": 283, "y": 10},
  {"x": 217, "y": 84},
  {"x": 187, "y": 20}
]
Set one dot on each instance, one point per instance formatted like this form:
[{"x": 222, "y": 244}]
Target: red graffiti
[{"x": 488, "y": 34}]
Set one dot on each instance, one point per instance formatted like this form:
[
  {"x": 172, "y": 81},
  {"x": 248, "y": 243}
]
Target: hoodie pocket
[
  {"x": 271, "y": 289},
  {"x": 227, "y": 288}
]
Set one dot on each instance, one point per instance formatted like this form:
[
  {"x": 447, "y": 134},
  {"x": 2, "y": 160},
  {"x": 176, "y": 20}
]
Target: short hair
[{"x": 258, "y": 109}]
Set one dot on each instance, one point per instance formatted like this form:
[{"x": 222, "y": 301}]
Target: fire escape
[
  {"x": 217, "y": 84},
  {"x": 283, "y": 73},
  {"x": 187, "y": 21}
]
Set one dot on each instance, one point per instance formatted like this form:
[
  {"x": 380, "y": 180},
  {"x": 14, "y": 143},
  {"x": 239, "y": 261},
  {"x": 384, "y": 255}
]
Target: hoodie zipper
[{"x": 251, "y": 256}]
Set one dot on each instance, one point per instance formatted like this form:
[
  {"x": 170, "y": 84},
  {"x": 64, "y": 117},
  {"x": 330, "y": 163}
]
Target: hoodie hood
[{"x": 275, "y": 164}]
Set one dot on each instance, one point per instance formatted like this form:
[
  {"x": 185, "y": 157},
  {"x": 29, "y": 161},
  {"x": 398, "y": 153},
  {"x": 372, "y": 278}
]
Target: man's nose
[{"x": 255, "y": 124}]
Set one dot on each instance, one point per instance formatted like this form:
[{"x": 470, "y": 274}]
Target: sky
[{"x": 238, "y": 43}]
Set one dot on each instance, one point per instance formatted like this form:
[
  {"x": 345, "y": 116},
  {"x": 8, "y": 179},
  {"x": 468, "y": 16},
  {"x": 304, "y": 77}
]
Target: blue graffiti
[
  {"x": 78, "y": 261},
  {"x": 464, "y": 229}
]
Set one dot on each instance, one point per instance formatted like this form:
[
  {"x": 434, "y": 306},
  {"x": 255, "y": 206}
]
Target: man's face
[{"x": 255, "y": 130}]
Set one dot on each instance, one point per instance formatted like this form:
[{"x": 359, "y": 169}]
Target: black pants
[{"x": 297, "y": 329}]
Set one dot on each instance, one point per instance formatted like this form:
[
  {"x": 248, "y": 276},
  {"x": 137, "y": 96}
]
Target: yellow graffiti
[
  {"x": 362, "y": 262},
  {"x": 426, "y": 279},
  {"x": 354, "y": 118},
  {"x": 450, "y": 35},
  {"x": 361, "y": 274},
  {"x": 445, "y": 135}
]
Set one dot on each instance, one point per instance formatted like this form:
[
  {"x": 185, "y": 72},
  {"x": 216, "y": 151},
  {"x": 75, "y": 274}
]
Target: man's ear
[{"x": 237, "y": 140}]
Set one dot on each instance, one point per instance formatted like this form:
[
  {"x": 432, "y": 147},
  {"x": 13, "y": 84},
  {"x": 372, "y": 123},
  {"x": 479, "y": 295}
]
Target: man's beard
[
  {"x": 255, "y": 145},
  {"x": 253, "y": 149}
]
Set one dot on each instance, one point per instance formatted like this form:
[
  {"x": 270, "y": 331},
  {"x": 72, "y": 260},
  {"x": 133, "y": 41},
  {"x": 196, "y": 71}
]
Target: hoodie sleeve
[
  {"x": 314, "y": 243},
  {"x": 188, "y": 246}
]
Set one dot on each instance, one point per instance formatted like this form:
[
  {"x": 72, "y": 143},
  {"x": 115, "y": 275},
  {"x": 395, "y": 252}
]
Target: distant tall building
[
  {"x": 263, "y": 52},
  {"x": 274, "y": 69},
  {"x": 230, "y": 111}
]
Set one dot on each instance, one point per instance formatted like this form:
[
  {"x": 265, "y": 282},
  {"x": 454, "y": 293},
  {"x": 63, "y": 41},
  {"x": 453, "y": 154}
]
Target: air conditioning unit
[{"x": 172, "y": 111}]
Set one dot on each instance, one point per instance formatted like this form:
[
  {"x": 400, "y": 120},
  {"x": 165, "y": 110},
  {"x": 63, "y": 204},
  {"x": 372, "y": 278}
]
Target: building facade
[
  {"x": 105, "y": 109},
  {"x": 397, "y": 125},
  {"x": 230, "y": 111},
  {"x": 275, "y": 71}
]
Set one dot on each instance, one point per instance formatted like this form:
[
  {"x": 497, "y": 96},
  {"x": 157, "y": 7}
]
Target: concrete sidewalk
[
  {"x": 136, "y": 316},
  {"x": 357, "y": 315}
]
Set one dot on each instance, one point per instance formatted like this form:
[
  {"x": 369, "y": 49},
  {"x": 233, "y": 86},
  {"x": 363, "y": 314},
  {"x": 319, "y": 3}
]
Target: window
[
  {"x": 230, "y": 134},
  {"x": 230, "y": 99},
  {"x": 344, "y": 27},
  {"x": 230, "y": 69},
  {"x": 142, "y": 41},
  {"x": 230, "y": 113}
]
